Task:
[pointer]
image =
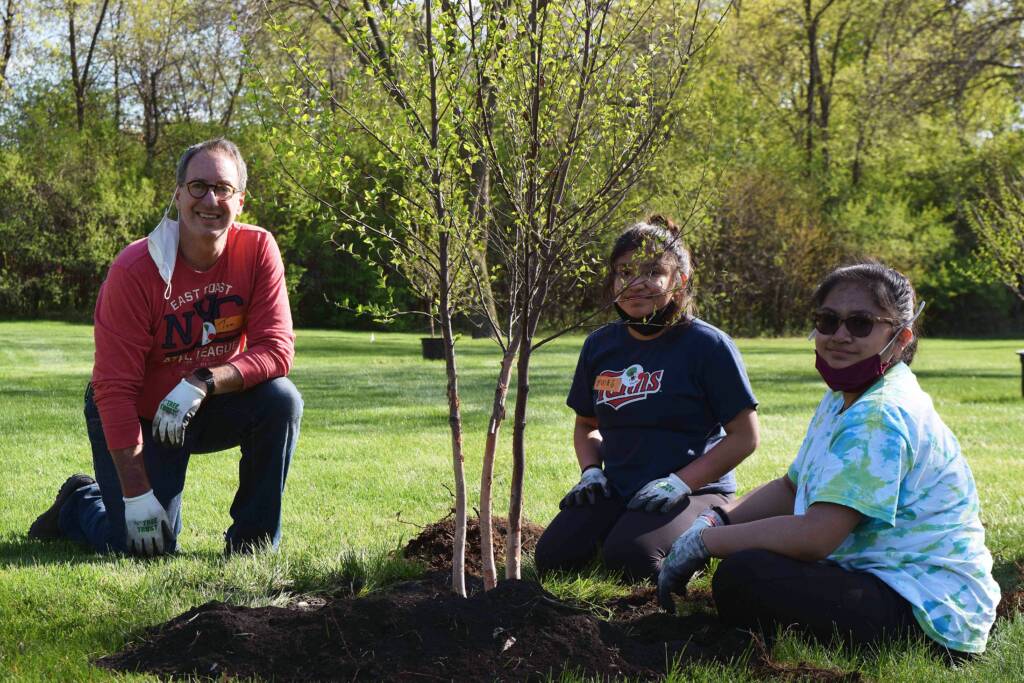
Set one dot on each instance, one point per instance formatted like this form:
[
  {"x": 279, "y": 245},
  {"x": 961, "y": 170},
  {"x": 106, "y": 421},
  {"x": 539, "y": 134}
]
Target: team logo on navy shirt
[{"x": 617, "y": 388}]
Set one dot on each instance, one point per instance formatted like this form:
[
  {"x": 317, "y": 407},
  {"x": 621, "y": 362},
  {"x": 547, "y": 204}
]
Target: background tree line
[{"x": 814, "y": 131}]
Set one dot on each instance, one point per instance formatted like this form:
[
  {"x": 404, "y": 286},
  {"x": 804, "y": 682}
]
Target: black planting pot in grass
[
  {"x": 1021, "y": 354},
  {"x": 433, "y": 348}
]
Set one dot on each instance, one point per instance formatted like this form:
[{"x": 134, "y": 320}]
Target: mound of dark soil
[
  {"x": 1012, "y": 601},
  {"x": 415, "y": 631},
  {"x": 418, "y": 630},
  {"x": 433, "y": 545}
]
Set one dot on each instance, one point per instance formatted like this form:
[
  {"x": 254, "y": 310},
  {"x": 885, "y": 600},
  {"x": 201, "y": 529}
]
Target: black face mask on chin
[{"x": 653, "y": 323}]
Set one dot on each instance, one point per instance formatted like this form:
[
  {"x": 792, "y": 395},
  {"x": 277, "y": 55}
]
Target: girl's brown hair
[{"x": 659, "y": 235}]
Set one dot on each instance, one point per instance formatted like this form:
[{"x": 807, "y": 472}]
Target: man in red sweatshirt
[{"x": 193, "y": 342}]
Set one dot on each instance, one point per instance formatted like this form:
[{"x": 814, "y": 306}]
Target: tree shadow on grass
[
  {"x": 997, "y": 400},
  {"x": 775, "y": 351},
  {"x": 22, "y": 551},
  {"x": 966, "y": 374}
]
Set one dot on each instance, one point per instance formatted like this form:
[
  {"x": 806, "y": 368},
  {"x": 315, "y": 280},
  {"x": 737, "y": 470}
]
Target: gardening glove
[
  {"x": 148, "y": 530},
  {"x": 174, "y": 413},
  {"x": 591, "y": 481},
  {"x": 660, "y": 495},
  {"x": 687, "y": 556}
]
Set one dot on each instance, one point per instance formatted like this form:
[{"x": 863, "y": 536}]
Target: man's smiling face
[{"x": 208, "y": 217}]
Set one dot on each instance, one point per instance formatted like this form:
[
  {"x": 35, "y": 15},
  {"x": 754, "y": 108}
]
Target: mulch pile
[
  {"x": 433, "y": 545},
  {"x": 419, "y": 631},
  {"x": 1013, "y": 600}
]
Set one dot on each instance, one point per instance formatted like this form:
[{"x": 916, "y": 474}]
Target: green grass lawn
[{"x": 374, "y": 461}]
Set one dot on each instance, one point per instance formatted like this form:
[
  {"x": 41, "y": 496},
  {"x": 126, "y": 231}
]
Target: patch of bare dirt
[
  {"x": 433, "y": 545},
  {"x": 1012, "y": 601},
  {"x": 413, "y": 631},
  {"x": 420, "y": 631},
  {"x": 776, "y": 671}
]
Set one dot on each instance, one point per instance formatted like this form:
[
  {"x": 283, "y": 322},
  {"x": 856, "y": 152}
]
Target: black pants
[
  {"x": 759, "y": 589},
  {"x": 631, "y": 541}
]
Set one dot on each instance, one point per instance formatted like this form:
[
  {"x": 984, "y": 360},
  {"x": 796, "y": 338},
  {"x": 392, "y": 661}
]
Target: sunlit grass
[{"x": 374, "y": 464}]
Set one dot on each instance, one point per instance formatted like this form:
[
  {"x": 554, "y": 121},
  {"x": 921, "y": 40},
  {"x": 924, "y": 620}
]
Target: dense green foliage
[
  {"x": 370, "y": 470},
  {"x": 811, "y": 133}
]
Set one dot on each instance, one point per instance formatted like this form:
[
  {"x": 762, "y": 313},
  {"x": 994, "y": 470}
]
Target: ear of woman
[{"x": 903, "y": 337}]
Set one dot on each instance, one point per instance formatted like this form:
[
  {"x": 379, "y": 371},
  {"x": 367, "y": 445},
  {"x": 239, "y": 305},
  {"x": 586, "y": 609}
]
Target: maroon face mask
[
  {"x": 853, "y": 378},
  {"x": 858, "y": 377}
]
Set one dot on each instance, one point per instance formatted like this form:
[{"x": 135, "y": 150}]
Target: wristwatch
[{"x": 205, "y": 375}]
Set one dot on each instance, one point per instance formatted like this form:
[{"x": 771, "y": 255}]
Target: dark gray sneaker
[{"x": 47, "y": 525}]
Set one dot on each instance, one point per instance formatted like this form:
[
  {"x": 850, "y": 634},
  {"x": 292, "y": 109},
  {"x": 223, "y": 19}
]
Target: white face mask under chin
[{"x": 162, "y": 243}]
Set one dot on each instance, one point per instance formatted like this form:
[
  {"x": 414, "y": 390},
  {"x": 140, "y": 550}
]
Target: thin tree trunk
[
  {"x": 80, "y": 79},
  {"x": 480, "y": 211},
  {"x": 514, "y": 540},
  {"x": 73, "y": 54},
  {"x": 525, "y": 243},
  {"x": 225, "y": 119},
  {"x": 455, "y": 424},
  {"x": 812, "y": 82},
  {"x": 444, "y": 271},
  {"x": 150, "y": 118},
  {"x": 8, "y": 40},
  {"x": 487, "y": 470},
  {"x": 117, "y": 94}
]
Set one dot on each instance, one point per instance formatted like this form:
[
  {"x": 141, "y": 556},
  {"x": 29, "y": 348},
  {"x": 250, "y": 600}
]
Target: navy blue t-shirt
[{"x": 661, "y": 402}]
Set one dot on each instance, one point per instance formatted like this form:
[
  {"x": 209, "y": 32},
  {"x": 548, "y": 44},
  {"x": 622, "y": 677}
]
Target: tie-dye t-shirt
[{"x": 890, "y": 457}]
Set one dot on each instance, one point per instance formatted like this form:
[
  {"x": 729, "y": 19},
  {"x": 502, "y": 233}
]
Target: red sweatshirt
[{"x": 236, "y": 311}]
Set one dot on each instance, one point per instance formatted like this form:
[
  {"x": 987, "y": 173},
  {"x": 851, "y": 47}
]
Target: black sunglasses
[{"x": 857, "y": 324}]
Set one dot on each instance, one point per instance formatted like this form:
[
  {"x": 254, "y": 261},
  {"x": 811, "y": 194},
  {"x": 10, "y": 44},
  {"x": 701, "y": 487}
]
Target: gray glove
[
  {"x": 687, "y": 557},
  {"x": 591, "y": 481},
  {"x": 660, "y": 495}
]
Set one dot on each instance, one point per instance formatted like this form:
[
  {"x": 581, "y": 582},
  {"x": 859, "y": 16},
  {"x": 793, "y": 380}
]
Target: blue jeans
[{"x": 263, "y": 421}]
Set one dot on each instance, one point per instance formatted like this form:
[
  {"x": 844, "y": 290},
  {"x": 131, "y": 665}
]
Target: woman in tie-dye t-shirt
[{"x": 875, "y": 529}]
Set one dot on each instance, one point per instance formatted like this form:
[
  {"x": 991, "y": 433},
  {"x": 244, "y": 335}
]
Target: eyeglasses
[
  {"x": 857, "y": 324},
  {"x": 199, "y": 188}
]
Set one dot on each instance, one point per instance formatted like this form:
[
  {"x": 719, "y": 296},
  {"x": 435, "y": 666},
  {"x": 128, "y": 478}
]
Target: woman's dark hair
[
  {"x": 890, "y": 290},
  {"x": 659, "y": 235}
]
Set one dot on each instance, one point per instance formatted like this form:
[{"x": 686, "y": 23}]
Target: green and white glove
[
  {"x": 591, "y": 481},
  {"x": 687, "y": 556},
  {"x": 660, "y": 495},
  {"x": 147, "y": 528},
  {"x": 175, "y": 412}
]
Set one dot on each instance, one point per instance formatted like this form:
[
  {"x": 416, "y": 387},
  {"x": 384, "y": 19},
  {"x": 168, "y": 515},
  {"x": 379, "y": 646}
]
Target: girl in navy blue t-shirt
[{"x": 664, "y": 412}]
